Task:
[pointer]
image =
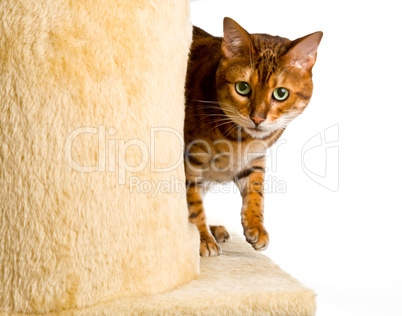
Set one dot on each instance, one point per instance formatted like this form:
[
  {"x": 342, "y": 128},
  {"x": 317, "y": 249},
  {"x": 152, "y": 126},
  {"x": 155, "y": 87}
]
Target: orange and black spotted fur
[{"x": 241, "y": 92}]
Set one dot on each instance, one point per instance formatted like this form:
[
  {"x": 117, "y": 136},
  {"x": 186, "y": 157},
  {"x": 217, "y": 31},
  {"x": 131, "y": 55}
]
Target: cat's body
[{"x": 232, "y": 117}]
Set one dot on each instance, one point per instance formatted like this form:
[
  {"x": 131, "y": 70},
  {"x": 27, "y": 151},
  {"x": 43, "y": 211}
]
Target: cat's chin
[{"x": 258, "y": 133}]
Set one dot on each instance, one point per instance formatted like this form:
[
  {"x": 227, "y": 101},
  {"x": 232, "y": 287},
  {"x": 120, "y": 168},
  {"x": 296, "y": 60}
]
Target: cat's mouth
[
  {"x": 254, "y": 131},
  {"x": 258, "y": 132}
]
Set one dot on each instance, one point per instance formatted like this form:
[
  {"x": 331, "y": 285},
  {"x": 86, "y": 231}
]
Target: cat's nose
[{"x": 257, "y": 120}]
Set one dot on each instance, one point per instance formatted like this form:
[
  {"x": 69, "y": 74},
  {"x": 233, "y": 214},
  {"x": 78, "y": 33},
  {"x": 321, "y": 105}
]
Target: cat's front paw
[
  {"x": 257, "y": 237},
  {"x": 220, "y": 233},
  {"x": 209, "y": 247}
]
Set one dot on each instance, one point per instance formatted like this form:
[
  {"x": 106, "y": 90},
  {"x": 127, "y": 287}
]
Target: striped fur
[{"x": 222, "y": 141}]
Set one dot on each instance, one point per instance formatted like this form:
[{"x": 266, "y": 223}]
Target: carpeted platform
[{"x": 239, "y": 282}]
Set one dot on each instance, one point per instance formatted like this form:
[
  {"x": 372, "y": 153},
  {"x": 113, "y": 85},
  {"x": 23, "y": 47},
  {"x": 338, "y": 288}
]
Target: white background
[{"x": 346, "y": 245}]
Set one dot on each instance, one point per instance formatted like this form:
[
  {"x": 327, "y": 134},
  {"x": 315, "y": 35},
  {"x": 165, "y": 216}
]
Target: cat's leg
[
  {"x": 250, "y": 183},
  {"x": 220, "y": 233},
  {"x": 208, "y": 245}
]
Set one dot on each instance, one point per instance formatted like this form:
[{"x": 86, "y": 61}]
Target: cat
[{"x": 241, "y": 92}]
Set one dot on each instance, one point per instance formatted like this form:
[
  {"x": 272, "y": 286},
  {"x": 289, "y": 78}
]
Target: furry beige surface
[
  {"x": 81, "y": 85},
  {"x": 239, "y": 282}
]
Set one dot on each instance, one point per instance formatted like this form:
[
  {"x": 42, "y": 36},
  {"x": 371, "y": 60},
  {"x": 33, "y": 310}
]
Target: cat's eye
[
  {"x": 243, "y": 88},
  {"x": 281, "y": 94}
]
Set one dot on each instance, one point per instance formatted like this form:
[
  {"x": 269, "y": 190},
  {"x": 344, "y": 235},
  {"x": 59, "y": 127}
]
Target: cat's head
[{"x": 263, "y": 81}]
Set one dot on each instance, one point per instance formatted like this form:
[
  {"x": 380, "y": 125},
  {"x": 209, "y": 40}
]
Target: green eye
[
  {"x": 243, "y": 88},
  {"x": 281, "y": 94}
]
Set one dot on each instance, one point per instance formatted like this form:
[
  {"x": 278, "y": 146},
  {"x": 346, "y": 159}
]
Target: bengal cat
[{"x": 241, "y": 92}]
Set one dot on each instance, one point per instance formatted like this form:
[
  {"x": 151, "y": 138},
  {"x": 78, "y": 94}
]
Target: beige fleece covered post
[{"x": 82, "y": 84}]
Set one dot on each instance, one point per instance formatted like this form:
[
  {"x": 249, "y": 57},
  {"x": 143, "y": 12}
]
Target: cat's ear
[
  {"x": 236, "y": 41},
  {"x": 303, "y": 52}
]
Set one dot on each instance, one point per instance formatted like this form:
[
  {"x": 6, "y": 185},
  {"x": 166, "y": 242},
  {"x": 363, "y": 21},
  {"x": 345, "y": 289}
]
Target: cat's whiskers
[
  {"x": 207, "y": 107},
  {"x": 237, "y": 118},
  {"x": 216, "y": 102},
  {"x": 216, "y": 126},
  {"x": 211, "y": 121},
  {"x": 214, "y": 115},
  {"x": 218, "y": 119},
  {"x": 220, "y": 106},
  {"x": 213, "y": 105},
  {"x": 212, "y": 102},
  {"x": 246, "y": 121},
  {"x": 228, "y": 116},
  {"x": 224, "y": 116},
  {"x": 227, "y": 133}
]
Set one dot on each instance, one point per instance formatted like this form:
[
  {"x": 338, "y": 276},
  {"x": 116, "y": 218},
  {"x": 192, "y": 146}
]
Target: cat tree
[{"x": 83, "y": 85}]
